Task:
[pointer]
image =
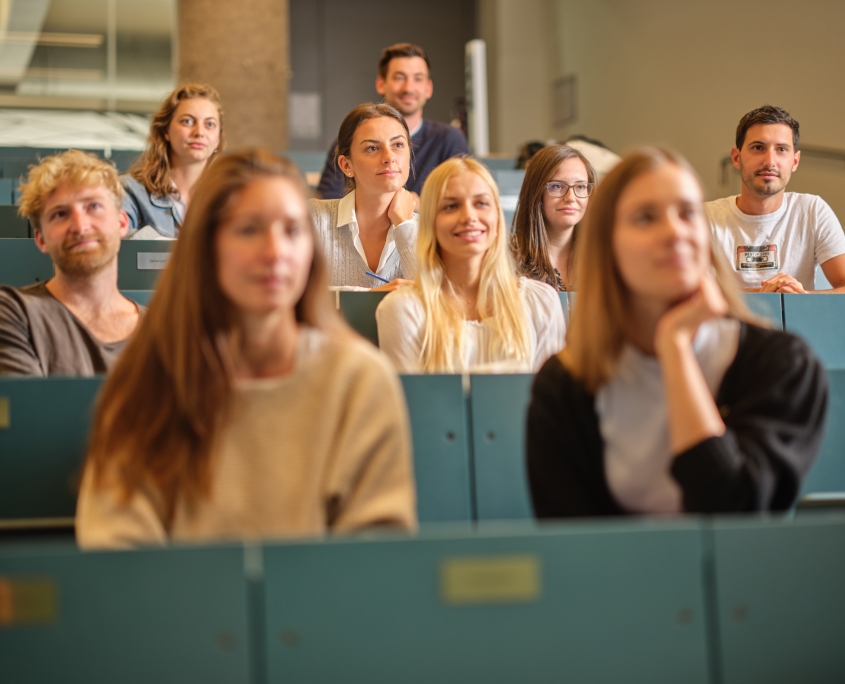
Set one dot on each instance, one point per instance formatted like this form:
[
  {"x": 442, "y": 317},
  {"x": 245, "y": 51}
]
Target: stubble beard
[
  {"x": 88, "y": 263},
  {"x": 760, "y": 187}
]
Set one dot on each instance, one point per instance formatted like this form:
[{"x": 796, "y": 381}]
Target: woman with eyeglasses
[{"x": 553, "y": 199}]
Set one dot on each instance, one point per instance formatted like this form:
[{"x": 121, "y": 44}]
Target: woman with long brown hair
[
  {"x": 185, "y": 135},
  {"x": 370, "y": 235},
  {"x": 670, "y": 396},
  {"x": 244, "y": 406},
  {"x": 552, "y": 201}
]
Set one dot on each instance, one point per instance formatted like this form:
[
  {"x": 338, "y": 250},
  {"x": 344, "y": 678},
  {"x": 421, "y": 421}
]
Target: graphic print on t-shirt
[{"x": 757, "y": 257}]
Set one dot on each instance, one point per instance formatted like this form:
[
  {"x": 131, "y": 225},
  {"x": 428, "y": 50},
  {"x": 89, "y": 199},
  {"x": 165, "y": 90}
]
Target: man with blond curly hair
[{"x": 77, "y": 322}]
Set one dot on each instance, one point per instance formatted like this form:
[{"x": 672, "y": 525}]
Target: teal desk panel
[
  {"x": 43, "y": 448},
  {"x": 828, "y": 472},
  {"x": 141, "y": 297},
  {"x": 499, "y": 404},
  {"x": 585, "y": 603},
  {"x": 359, "y": 310},
  {"x": 769, "y": 305},
  {"x": 7, "y": 194},
  {"x": 781, "y": 600},
  {"x": 140, "y": 262},
  {"x": 564, "y": 302},
  {"x": 12, "y": 225},
  {"x": 819, "y": 319},
  {"x": 134, "y": 617},
  {"x": 21, "y": 263},
  {"x": 438, "y": 413}
]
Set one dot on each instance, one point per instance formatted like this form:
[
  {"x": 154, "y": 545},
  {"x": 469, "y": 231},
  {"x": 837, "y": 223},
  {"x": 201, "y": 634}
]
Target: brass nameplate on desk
[
  {"x": 5, "y": 413},
  {"x": 490, "y": 579},
  {"x": 28, "y": 601},
  {"x": 152, "y": 261}
]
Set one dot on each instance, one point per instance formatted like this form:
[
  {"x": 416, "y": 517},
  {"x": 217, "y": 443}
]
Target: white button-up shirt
[{"x": 346, "y": 217}]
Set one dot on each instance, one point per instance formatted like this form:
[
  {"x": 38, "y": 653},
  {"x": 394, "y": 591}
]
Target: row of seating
[
  {"x": 723, "y": 601},
  {"x": 468, "y": 437},
  {"x": 139, "y": 263}
]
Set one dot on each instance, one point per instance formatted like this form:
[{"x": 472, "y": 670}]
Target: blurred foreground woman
[
  {"x": 243, "y": 407},
  {"x": 669, "y": 397}
]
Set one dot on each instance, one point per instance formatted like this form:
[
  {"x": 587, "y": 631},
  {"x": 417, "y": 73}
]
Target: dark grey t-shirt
[{"x": 40, "y": 336}]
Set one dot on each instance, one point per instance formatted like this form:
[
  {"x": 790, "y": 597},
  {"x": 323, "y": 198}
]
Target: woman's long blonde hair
[
  {"x": 152, "y": 169},
  {"x": 499, "y": 303},
  {"x": 163, "y": 401},
  {"x": 596, "y": 333}
]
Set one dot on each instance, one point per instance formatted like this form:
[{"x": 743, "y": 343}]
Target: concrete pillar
[{"x": 242, "y": 49}]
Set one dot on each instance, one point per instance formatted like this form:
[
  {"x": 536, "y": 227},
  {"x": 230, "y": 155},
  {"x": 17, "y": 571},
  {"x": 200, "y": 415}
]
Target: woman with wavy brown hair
[
  {"x": 670, "y": 397},
  {"x": 552, "y": 201},
  {"x": 185, "y": 135},
  {"x": 243, "y": 405}
]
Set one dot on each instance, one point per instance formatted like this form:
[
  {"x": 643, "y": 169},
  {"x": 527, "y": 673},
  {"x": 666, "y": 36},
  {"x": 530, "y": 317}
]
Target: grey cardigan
[
  {"x": 345, "y": 265},
  {"x": 146, "y": 209}
]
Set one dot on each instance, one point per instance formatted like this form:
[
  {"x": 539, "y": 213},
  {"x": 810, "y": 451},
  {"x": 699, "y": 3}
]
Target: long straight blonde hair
[
  {"x": 499, "y": 303},
  {"x": 168, "y": 393},
  {"x": 596, "y": 333}
]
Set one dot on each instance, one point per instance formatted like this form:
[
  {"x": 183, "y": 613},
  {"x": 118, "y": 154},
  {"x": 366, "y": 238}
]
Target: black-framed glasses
[{"x": 560, "y": 189}]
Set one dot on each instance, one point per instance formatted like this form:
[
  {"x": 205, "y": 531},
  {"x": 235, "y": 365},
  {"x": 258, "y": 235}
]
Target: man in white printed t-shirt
[{"x": 774, "y": 238}]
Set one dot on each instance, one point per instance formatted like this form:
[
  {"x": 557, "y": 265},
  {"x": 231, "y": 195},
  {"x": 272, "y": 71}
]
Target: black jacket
[{"x": 773, "y": 400}]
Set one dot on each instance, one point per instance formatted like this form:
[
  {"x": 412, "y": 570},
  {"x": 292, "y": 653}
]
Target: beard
[
  {"x": 88, "y": 262},
  {"x": 760, "y": 187}
]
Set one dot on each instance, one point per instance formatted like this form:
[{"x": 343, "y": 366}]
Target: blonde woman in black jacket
[{"x": 670, "y": 397}]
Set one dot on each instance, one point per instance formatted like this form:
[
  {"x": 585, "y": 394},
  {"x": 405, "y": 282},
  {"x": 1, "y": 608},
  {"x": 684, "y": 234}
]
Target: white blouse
[
  {"x": 634, "y": 422},
  {"x": 401, "y": 324}
]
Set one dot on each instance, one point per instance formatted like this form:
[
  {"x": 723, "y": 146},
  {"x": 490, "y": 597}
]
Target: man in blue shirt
[{"x": 405, "y": 83}]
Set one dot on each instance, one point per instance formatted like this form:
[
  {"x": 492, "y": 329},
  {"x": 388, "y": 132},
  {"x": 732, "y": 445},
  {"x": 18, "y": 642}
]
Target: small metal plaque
[
  {"x": 5, "y": 413},
  {"x": 490, "y": 579},
  {"x": 28, "y": 601},
  {"x": 152, "y": 261}
]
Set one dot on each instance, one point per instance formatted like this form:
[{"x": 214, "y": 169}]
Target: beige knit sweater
[{"x": 323, "y": 448}]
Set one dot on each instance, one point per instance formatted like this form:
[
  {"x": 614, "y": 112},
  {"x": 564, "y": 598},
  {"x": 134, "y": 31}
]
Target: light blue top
[{"x": 147, "y": 209}]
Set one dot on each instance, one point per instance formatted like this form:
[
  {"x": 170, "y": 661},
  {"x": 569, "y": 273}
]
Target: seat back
[
  {"x": 43, "y": 444},
  {"x": 780, "y": 600},
  {"x": 12, "y": 225},
  {"x": 22, "y": 263},
  {"x": 438, "y": 411},
  {"x": 820, "y": 320},
  {"x": 574, "y": 604},
  {"x": 359, "y": 310},
  {"x": 499, "y": 404},
  {"x": 176, "y": 615}
]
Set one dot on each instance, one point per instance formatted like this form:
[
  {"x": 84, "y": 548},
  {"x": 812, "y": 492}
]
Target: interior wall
[
  {"x": 521, "y": 66},
  {"x": 683, "y": 74}
]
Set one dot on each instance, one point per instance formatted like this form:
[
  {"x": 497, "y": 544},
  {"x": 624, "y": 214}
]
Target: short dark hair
[
  {"x": 767, "y": 114},
  {"x": 401, "y": 50}
]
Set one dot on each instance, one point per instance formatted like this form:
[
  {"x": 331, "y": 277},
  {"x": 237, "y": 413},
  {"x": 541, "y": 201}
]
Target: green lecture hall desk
[
  {"x": 139, "y": 263},
  {"x": 438, "y": 410},
  {"x": 616, "y": 603},
  {"x": 781, "y": 600},
  {"x": 359, "y": 310},
  {"x": 44, "y": 425},
  {"x": 820, "y": 320},
  {"x": 12, "y": 225},
  {"x": 164, "y": 616},
  {"x": 499, "y": 405}
]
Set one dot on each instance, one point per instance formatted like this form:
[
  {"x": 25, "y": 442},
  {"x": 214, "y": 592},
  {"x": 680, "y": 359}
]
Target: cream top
[
  {"x": 323, "y": 448},
  {"x": 401, "y": 324}
]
